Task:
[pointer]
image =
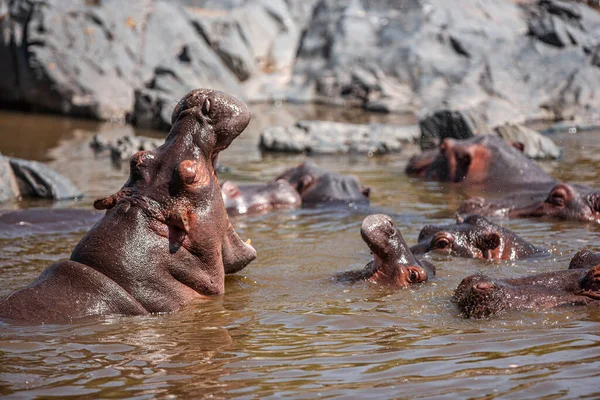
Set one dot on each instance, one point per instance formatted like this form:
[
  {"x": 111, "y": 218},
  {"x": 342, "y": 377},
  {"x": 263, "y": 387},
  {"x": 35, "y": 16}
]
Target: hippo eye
[
  {"x": 206, "y": 107},
  {"x": 442, "y": 243},
  {"x": 413, "y": 276}
]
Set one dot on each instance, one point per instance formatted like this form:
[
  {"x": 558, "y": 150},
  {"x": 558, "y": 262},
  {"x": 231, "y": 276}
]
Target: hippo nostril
[{"x": 483, "y": 286}]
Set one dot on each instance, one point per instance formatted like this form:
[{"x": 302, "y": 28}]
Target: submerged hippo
[
  {"x": 16, "y": 223},
  {"x": 480, "y": 296},
  {"x": 256, "y": 198},
  {"x": 317, "y": 186},
  {"x": 474, "y": 237},
  {"x": 564, "y": 202},
  {"x": 165, "y": 239},
  {"x": 393, "y": 263},
  {"x": 481, "y": 160}
]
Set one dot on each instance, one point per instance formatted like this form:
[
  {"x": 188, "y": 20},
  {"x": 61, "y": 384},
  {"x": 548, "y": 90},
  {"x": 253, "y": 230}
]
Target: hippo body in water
[
  {"x": 15, "y": 223},
  {"x": 483, "y": 160},
  {"x": 317, "y": 186},
  {"x": 393, "y": 263},
  {"x": 257, "y": 198},
  {"x": 474, "y": 237},
  {"x": 561, "y": 202},
  {"x": 480, "y": 296},
  {"x": 165, "y": 239}
]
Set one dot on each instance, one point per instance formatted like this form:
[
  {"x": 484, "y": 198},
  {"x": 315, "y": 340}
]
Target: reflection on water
[{"x": 284, "y": 327}]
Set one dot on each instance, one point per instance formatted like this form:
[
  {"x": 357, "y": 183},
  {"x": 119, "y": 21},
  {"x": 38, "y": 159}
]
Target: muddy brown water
[{"x": 284, "y": 328}]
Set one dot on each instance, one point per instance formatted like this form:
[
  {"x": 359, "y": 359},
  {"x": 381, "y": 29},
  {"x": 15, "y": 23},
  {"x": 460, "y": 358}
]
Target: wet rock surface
[
  {"x": 325, "y": 137},
  {"x": 115, "y": 60},
  {"x": 25, "y": 178}
]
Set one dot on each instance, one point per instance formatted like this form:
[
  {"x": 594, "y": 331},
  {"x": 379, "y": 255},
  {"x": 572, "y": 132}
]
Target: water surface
[{"x": 284, "y": 328}]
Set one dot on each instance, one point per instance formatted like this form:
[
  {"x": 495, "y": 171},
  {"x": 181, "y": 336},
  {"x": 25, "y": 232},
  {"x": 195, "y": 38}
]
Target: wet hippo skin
[
  {"x": 480, "y": 296},
  {"x": 393, "y": 263},
  {"x": 474, "y": 237},
  {"x": 46, "y": 220},
  {"x": 317, "y": 186},
  {"x": 481, "y": 160},
  {"x": 561, "y": 202},
  {"x": 257, "y": 198},
  {"x": 165, "y": 239}
]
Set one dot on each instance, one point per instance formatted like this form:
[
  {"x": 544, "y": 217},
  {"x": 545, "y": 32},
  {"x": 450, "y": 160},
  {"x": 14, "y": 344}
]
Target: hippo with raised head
[
  {"x": 165, "y": 239},
  {"x": 257, "y": 198},
  {"x": 481, "y": 160},
  {"x": 480, "y": 296},
  {"x": 563, "y": 202},
  {"x": 393, "y": 263},
  {"x": 317, "y": 186},
  {"x": 474, "y": 237}
]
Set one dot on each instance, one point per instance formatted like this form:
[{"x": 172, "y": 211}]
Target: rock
[
  {"x": 324, "y": 137},
  {"x": 114, "y": 60},
  {"x": 456, "y": 124},
  {"x": 502, "y": 60},
  {"x": 35, "y": 179},
  {"x": 9, "y": 188},
  {"x": 124, "y": 147},
  {"x": 449, "y": 123},
  {"x": 535, "y": 145}
]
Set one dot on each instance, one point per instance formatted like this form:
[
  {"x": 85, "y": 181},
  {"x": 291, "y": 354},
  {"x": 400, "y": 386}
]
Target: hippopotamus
[
  {"x": 584, "y": 259},
  {"x": 474, "y": 237},
  {"x": 256, "y": 198},
  {"x": 317, "y": 186},
  {"x": 15, "y": 223},
  {"x": 481, "y": 160},
  {"x": 393, "y": 263},
  {"x": 480, "y": 296},
  {"x": 563, "y": 202},
  {"x": 165, "y": 239}
]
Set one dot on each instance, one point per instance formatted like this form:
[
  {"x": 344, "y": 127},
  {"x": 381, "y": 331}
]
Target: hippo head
[
  {"x": 316, "y": 185},
  {"x": 473, "y": 237},
  {"x": 175, "y": 185},
  {"x": 584, "y": 259},
  {"x": 393, "y": 263},
  {"x": 255, "y": 198},
  {"x": 564, "y": 202},
  {"x": 480, "y": 296},
  {"x": 482, "y": 159}
]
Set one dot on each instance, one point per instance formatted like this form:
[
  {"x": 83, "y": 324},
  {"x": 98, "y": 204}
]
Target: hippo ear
[
  {"x": 590, "y": 283},
  {"x": 489, "y": 241},
  {"x": 519, "y": 146},
  {"x": 305, "y": 182}
]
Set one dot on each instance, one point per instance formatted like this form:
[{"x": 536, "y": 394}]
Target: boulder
[
  {"x": 535, "y": 145},
  {"x": 325, "y": 137},
  {"x": 24, "y": 178},
  {"x": 9, "y": 189},
  {"x": 441, "y": 124},
  {"x": 505, "y": 61}
]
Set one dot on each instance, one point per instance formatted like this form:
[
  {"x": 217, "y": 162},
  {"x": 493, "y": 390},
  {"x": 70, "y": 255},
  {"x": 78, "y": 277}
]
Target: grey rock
[
  {"x": 124, "y": 147},
  {"x": 535, "y": 145},
  {"x": 495, "y": 58},
  {"x": 442, "y": 124},
  {"x": 9, "y": 188},
  {"x": 324, "y": 137},
  {"x": 38, "y": 180}
]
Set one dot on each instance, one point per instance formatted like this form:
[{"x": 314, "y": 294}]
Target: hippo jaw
[
  {"x": 393, "y": 263},
  {"x": 563, "y": 202}
]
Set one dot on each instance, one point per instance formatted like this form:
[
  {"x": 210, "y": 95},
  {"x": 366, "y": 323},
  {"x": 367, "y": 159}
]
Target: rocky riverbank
[{"x": 502, "y": 60}]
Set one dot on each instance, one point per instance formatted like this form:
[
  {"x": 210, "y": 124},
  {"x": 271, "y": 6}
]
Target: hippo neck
[{"x": 161, "y": 277}]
